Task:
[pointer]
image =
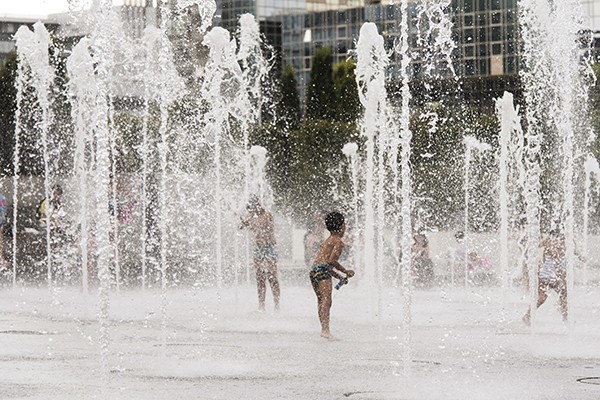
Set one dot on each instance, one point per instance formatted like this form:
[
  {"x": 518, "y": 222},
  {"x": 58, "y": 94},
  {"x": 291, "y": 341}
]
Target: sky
[
  {"x": 37, "y": 8},
  {"x": 33, "y": 8}
]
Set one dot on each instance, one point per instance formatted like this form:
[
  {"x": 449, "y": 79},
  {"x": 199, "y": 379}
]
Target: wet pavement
[{"x": 467, "y": 343}]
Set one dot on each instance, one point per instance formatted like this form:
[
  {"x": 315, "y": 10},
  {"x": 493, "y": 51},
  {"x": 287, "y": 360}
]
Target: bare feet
[
  {"x": 526, "y": 319},
  {"x": 327, "y": 335}
]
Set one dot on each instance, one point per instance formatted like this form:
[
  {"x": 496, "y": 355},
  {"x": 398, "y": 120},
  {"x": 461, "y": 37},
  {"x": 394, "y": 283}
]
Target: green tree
[
  {"x": 437, "y": 161},
  {"x": 595, "y": 111},
  {"x": 320, "y": 97},
  {"x": 315, "y": 165},
  {"x": 348, "y": 105},
  {"x": 276, "y": 137},
  {"x": 289, "y": 111},
  {"x": 61, "y": 133},
  {"x": 8, "y": 102}
]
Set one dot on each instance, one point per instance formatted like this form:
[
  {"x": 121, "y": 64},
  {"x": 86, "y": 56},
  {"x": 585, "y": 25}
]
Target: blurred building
[
  {"x": 9, "y": 26},
  {"x": 485, "y": 59},
  {"x": 591, "y": 16},
  {"x": 486, "y": 34},
  {"x": 136, "y": 15}
]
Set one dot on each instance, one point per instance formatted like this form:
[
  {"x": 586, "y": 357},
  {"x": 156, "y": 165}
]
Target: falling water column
[
  {"x": 163, "y": 85},
  {"x": 101, "y": 45},
  {"x": 591, "y": 167},
  {"x": 254, "y": 70},
  {"x": 221, "y": 68},
  {"x": 80, "y": 69},
  {"x": 535, "y": 84},
  {"x": 468, "y": 152},
  {"x": 406, "y": 207},
  {"x": 370, "y": 78},
  {"x": 350, "y": 150},
  {"x": 17, "y": 166},
  {"x": 33, "y": 50},
  {"x": 508, "y": 119}
]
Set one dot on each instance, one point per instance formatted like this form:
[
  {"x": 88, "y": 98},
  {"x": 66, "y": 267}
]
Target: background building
[
  {"x": 9, "y": 26},
  {"x": 261, "y": 9},
  {"x": 485, "y": 32},
  {"x": 591, "y": 13},
  {"x": 136, "y": 15}
]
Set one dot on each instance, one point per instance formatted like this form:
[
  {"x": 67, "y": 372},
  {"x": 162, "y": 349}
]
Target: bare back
[{"x": 330, "y": 251}]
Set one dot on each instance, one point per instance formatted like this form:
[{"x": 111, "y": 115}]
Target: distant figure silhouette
[{"x": 260, "y": 221}]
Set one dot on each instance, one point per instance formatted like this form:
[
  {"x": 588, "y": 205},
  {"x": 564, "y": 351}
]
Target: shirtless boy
[
  {"x": 260, "y": 221},
  {"x": 325, "y": 266}
]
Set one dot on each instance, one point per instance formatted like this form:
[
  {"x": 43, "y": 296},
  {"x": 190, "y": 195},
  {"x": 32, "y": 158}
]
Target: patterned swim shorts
[
  {"x": 318, "y": 273},
  {"x": 265, "y": 253}
]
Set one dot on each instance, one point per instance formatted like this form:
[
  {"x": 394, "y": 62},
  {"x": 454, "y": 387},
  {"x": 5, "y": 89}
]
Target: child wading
[
  {"x": 260, "y": 221},
  {"x": 552, "y": 273},
  {"x": 324, "y": 266}
]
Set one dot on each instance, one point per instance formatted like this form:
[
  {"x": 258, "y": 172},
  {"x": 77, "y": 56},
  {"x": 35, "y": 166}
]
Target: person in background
[
  {"x": 50, "y": 213},
  {"x": 260, "y": 221},
  {"x": 552, "y": 273},
  {"x": 314, "y": 236},
  {"x": 421, "y": 263},
  {"x": 457, "y": 257}
]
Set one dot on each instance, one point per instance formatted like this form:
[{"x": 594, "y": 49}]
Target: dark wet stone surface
[
  {"x": 592, "y": 380},
  {"x": 18, "y": 332}
]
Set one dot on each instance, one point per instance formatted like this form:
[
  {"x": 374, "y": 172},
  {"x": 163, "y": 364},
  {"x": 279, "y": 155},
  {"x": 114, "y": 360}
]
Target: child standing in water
[
  {"x": 260, "y": 221},
  {"x": 552, "y": 273},
  {"x": 324, "y": 266}
]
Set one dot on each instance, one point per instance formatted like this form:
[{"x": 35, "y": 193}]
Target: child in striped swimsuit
[{"x": 552, "y": 273}]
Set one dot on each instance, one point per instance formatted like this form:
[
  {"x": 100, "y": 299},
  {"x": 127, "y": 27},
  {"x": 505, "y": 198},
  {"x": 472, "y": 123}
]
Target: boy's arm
[
  {"x": 333, "y": 260},
  {"x": 244, "y": 222},
  {"x": 335, "y": 274}
]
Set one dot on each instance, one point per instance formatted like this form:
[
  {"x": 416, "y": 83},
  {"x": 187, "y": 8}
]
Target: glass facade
[
  {"x": 591, "y": 12},
  {"x": 324, "y": 5},
  {"x": 261, "y": 9},
  {"x": 136, "y": 15},
  {"x": 304, "y": 33},
  {"x": 8, "y": 27},
  {"x": 486, "y": 34}
]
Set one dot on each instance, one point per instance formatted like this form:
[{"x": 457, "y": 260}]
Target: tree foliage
[
  {"x": 8, "y": 94},
  {"x": 438, "y": 168},
  {"x": 320, "y": 97},
  {"x": 314, "y": 178},
  {"x": 348, "y": 105},
  {"x": 289, "y": 111},
  {"x": 595, "y": 111}
]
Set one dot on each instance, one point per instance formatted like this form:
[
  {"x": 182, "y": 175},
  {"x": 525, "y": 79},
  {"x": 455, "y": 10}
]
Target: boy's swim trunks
[
  {"x": 318, "y": 273},
  {"x": 265, "y": 253}
]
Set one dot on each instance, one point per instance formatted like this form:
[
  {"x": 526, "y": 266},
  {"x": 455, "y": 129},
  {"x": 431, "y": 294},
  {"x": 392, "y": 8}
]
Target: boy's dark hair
[
  {"x": 334, "y": 221},
  {"x": 253, "y": 203},
  {"x": 555, "y": 232}
]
